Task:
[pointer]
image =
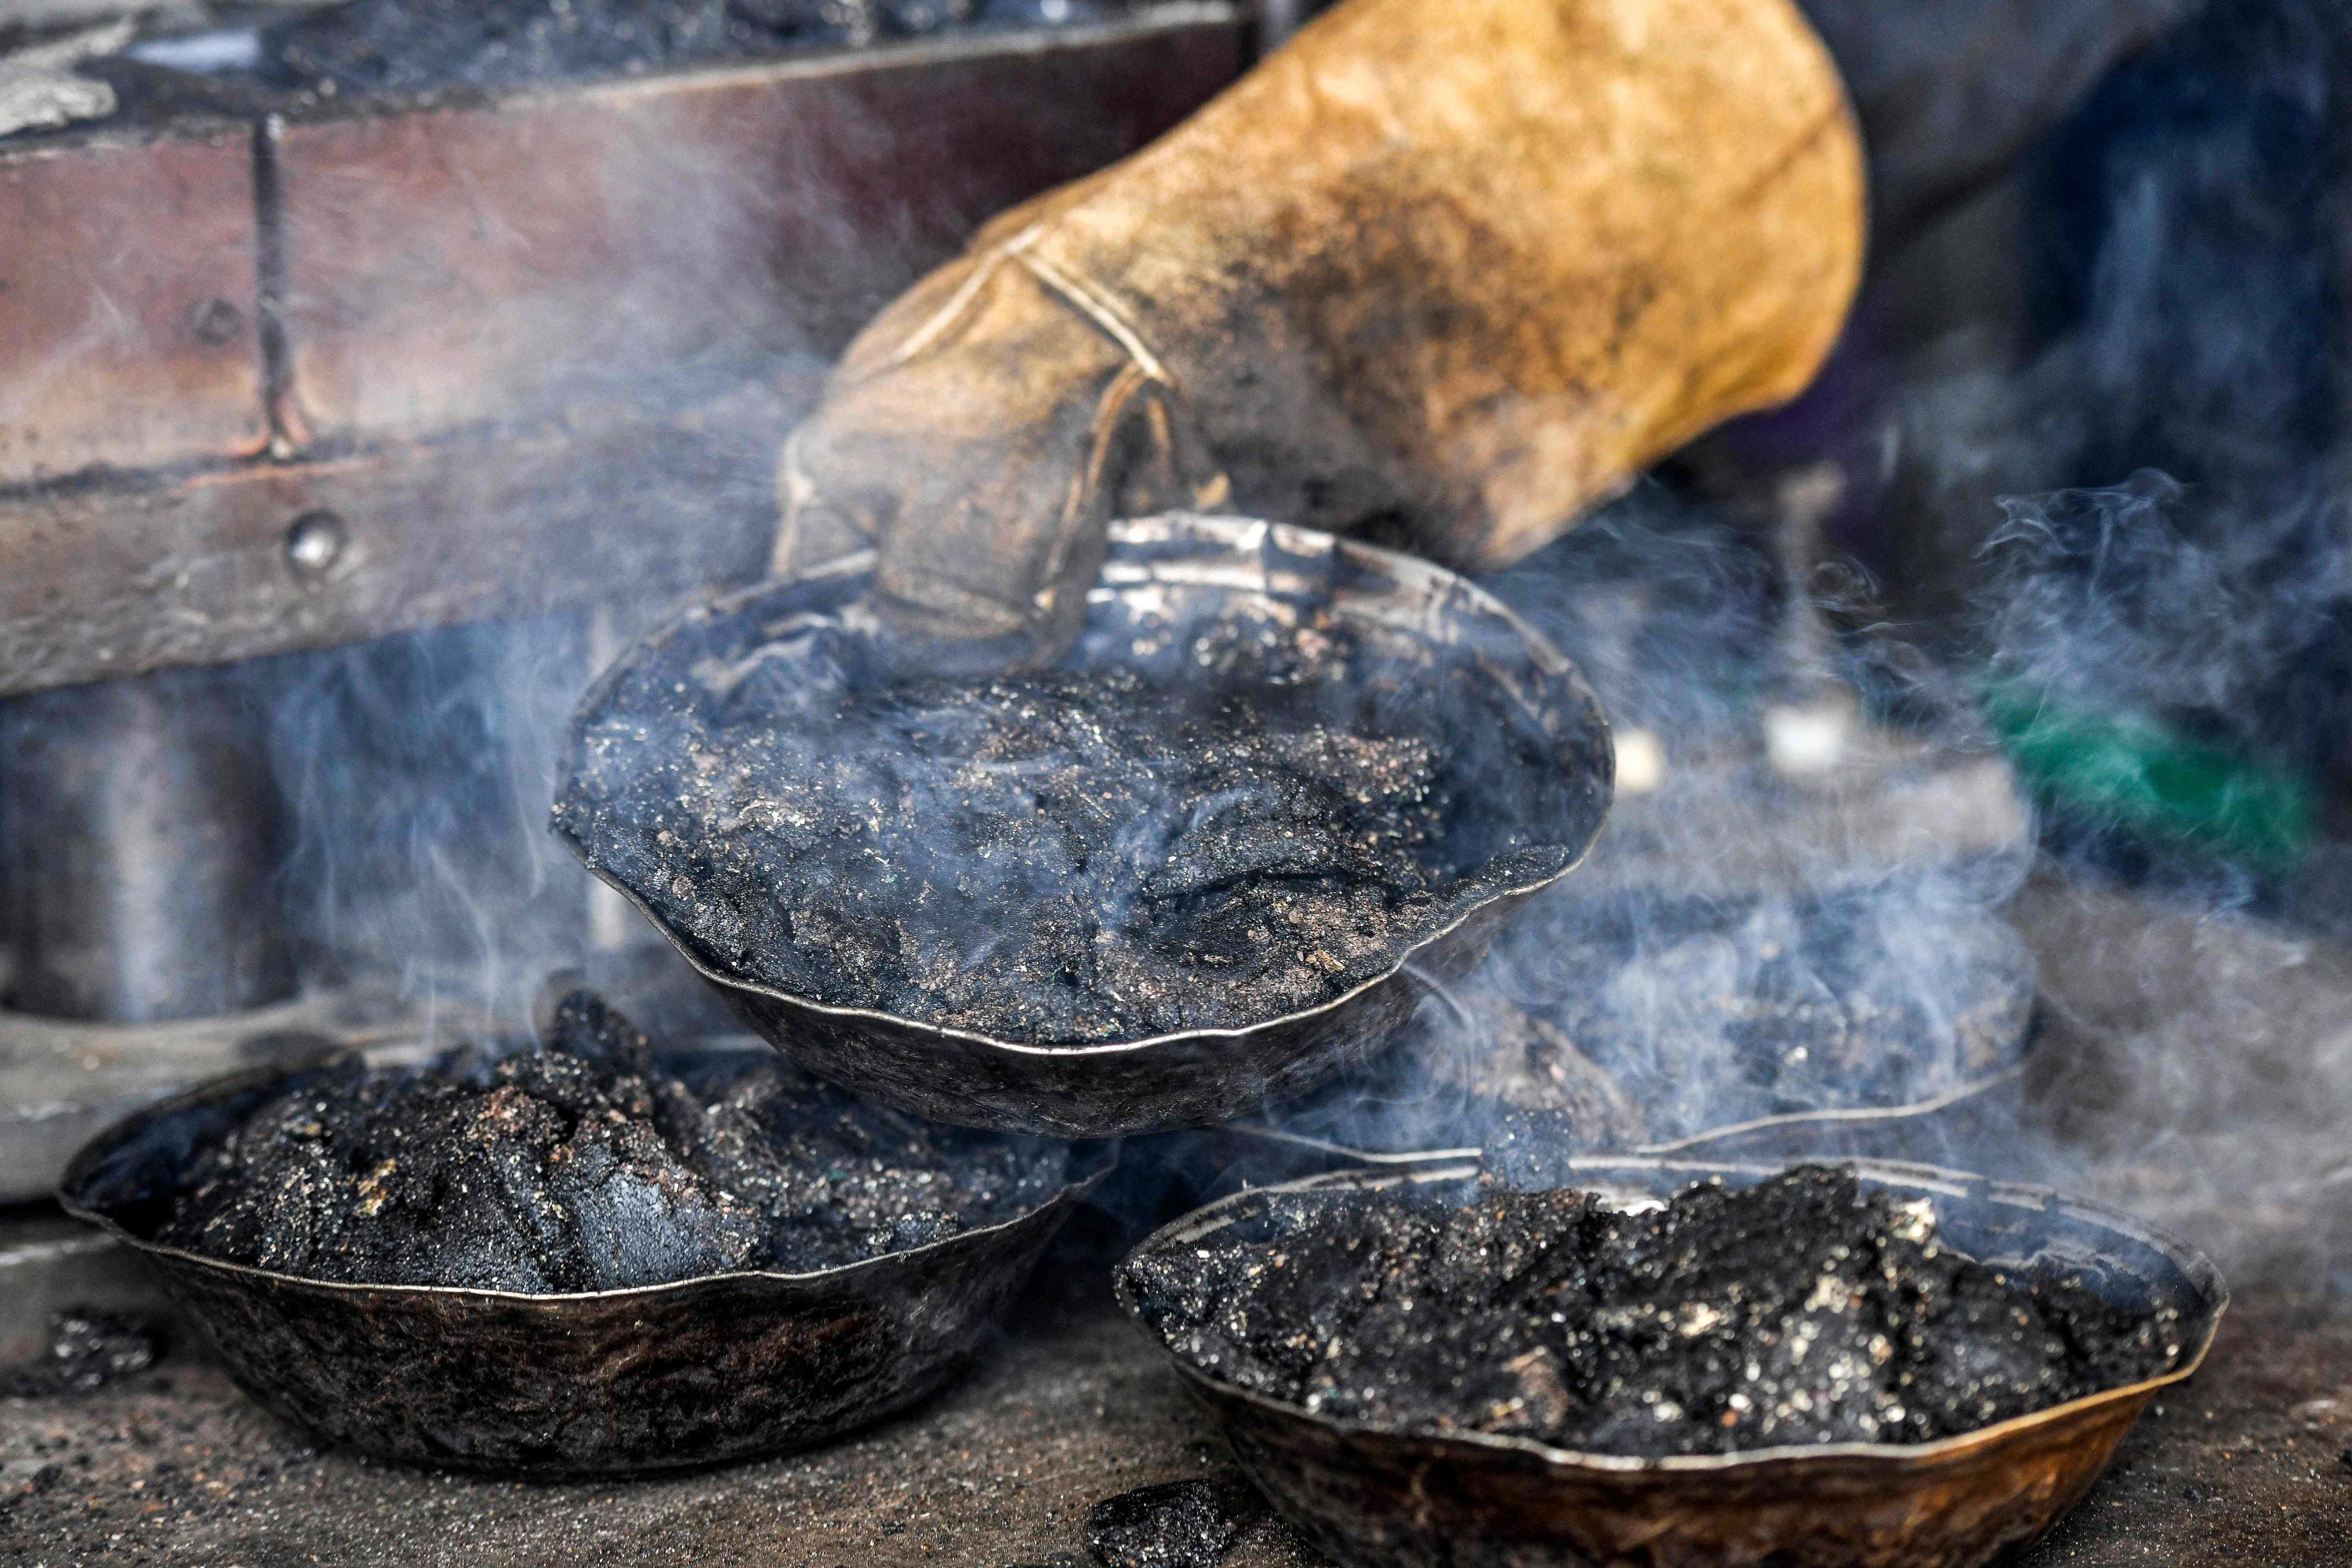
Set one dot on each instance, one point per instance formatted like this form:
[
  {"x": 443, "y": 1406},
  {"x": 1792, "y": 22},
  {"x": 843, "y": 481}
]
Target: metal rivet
[
  {"x": 215, "y": 321},
  {"x": 314, "y": 544}
]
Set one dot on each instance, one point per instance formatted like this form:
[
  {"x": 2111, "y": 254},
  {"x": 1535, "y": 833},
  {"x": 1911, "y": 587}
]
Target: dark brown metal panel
[
  {"x": 127, "y": 318},
  {"x": 613, "y": 505},
  {"x": 538, "y": 352},
  {"x": 453, "y": 265}
]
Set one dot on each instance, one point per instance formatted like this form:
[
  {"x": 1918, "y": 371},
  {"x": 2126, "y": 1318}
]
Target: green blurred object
[{"x": 2154, "y": 780}]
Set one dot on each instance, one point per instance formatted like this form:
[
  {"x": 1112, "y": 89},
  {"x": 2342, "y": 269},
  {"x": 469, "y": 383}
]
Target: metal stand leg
[{"x": 139, "y": 834}]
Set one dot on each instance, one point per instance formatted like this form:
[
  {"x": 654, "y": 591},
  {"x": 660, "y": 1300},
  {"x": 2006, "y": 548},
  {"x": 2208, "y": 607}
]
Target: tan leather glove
[{"x": 1451, "y": 273}]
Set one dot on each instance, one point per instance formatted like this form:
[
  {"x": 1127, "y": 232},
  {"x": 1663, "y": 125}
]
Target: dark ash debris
[
  {"x": 88, "y": 1349},
  {"x": 1798, "y": 1311},
  {"x": 588, "y": 1164},
  {"x": 1177, "y": 1524},
  {"x": 416, "y": 46},
  {"x": 412, "y": 45},
  {"x": 1062, "y": 858}
]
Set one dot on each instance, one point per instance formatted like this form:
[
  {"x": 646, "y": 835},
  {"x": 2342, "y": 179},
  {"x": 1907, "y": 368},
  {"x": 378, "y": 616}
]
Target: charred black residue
[
  {"x": 1069, "y": 856},
  {"x": 1803, "y": 1309},
  {"x": 86, "y": 1350},
  {"x": 1176, "y": 1524},
  {"x": 589, "y": 1165}
]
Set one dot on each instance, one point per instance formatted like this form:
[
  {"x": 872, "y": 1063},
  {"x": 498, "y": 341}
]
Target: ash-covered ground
[
  {"x": 589, "y": 1165},
  {"x": 1802, "y": 1310},
  {"x": 1063, "y": 857}
]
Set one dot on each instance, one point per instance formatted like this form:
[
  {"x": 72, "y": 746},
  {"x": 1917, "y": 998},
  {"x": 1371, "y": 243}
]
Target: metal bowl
[
  {"x": 605, "y": 1383},
  {"x": 1163, "y": 576},
  {"x": 1411, "y": 1108},
  {"x": 1374, "y": 1496}
]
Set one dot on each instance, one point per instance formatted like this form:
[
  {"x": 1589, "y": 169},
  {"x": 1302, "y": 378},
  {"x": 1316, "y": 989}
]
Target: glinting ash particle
[
  {"x": 1800, "y": 1310},
  {"x": 1063, "y": 857},
  {"x": 588, "y": 1164},
  {"x": 86, "y": 1350}
]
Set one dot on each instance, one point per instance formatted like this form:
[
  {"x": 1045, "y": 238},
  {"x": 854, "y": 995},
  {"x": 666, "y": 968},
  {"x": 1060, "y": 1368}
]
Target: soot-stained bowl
[
  {"x": 610, "y": 1382},
  {"x": 1376, "y": 1496},
  {"x": 1166, "y": 579}
]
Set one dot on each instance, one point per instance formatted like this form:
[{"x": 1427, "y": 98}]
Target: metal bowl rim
[
  {"x": 1686, "y": 1149},
  {"x": 1102, "y": 1158},
  {"x": 1840, "y": 1116},
  {"x": 2199, "y": 1270},
  {"x": 1233, "y": 530}
]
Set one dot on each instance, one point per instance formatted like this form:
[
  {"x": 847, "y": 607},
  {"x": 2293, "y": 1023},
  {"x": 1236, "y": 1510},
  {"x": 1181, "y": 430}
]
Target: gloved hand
[
  {"x": 1444, "y": 274},
  {"x": 1456, "y": 270}
]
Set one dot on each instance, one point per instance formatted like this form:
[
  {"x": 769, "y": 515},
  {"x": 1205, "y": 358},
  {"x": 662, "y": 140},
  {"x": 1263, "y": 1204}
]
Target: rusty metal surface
[
  {"x": 605, "y": 1383},
  {"x": 1382, "y": 1496},
  {"x": 529, "y": 352},
  {"x": 611, "y": 503},
  {"x": 1165, "y": 577},
  {"x": 133, "y": 354}
]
